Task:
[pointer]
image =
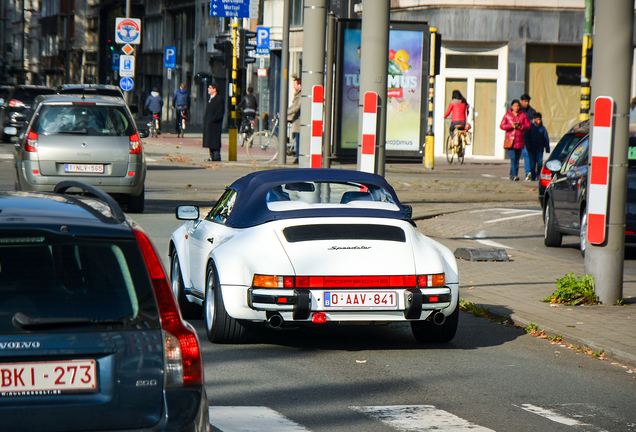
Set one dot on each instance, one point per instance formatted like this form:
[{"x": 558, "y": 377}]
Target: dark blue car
[{"x": 90, "y": 335}]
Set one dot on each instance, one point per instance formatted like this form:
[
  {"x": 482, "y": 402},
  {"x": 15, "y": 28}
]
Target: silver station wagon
[{"x": 92, "y": 139}]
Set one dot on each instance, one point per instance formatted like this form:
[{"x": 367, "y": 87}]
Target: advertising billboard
[{"x": 407, "y": 88}]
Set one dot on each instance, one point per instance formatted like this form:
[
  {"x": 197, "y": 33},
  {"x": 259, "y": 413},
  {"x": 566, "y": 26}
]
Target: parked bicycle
[
  {"x": 182, "y": 115},
  {"x": 154, "y": 125},
  {"x": 262, "y": 147},
  {"x": 456, "y": 144}
]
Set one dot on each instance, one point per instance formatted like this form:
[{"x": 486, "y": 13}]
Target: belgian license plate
[
  {"x": 360, "y": 299},
  {"x": 81, "y": 168},
  {"x": 47, "y": 378}
]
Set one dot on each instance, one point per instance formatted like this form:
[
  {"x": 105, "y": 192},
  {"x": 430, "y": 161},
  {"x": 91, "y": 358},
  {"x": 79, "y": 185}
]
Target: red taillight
[
  {"x": 16, "y": 103},
  {"x": 545, "y": 177},
  {"x": 135, "y": 144},
  {"x": 630, "y": 232},
  {"x": 31, "y": 144},
  {"x": 401, "y": 281},
  {"x": 319, "y": 318},
  {"x": 183, "y": 360}
]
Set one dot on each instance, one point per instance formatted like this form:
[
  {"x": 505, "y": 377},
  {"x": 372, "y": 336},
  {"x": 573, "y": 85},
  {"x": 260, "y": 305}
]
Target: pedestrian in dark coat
[
  {"x": 212, "y": 123},
  {"x": 529, "y": 112},
  {"x": 537, "y": 142}
]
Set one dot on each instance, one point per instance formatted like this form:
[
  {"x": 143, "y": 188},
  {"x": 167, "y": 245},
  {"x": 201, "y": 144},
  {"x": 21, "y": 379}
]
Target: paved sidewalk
[{"x": 512, "y": 289}]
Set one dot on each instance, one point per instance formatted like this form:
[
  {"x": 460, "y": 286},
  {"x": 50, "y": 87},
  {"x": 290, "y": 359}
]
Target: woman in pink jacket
[{"x": 514, "y": 123}]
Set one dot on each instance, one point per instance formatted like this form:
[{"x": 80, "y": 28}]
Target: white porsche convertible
[{"x": 311, "y": 246}]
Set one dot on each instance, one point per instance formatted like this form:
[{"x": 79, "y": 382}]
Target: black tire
[
  {"x": 136, "y": 203},
  {"x": 583, "y": 232},
  {"x": 462, "y": 149},
  {"x": 429, "y": 332},
  {"x": 219, "y": 326},
  {"x": 188, "y": 310},
  {"x": 448, "y": 149},
  {"x": 551, "y": 235}
]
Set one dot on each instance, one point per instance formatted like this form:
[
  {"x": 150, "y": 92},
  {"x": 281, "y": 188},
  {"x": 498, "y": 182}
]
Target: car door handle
[{"x": 211, "y": 240}]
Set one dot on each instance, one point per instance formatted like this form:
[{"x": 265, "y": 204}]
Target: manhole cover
[{"x": 481, "y": 254}]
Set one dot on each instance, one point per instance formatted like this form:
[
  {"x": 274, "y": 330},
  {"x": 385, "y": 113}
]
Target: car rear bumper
[{"x": 299, "y": 304}]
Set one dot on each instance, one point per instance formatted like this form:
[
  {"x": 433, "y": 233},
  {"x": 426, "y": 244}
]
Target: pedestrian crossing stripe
[{"x": 411, "y": 418}]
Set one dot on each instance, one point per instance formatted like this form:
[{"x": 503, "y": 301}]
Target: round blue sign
[{"x": 126, "y": 83}]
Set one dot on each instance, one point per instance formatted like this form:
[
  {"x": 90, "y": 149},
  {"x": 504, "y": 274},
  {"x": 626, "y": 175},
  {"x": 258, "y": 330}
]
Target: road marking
[
  {"x": 251, "y": 418},
  {"x": 419, "y": 418},
  {"x": 6, "y": 156},
  {"x": 551, "y": 415},
  {"x": 534, "y": 213},
  {"x": 151, "y": 159},
  {"x": 502, "y": 210},
  {"x": 487, "y": 242}
]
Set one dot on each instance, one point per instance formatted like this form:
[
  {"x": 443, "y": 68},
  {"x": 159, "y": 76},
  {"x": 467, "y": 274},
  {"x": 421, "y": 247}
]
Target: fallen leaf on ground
[{"x": 361, "y": 361}]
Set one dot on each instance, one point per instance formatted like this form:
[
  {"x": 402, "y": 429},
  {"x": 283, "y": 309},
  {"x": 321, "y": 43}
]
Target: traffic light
[
  {"x": 247, "y": 46},
  {"x": 111, "y": 45},
  {"x": 224, "y": 53}
]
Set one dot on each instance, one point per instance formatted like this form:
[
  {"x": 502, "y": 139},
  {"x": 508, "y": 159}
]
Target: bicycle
[
  {"x": 262, "y": 146},
  {"x": 154, "y": 125},
  {"x": 456, "y": 145},
  {"x": 181, "y": 121},
  {"x": 247, "y": 128}
]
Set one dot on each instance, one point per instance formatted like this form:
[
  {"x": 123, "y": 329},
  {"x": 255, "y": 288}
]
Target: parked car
[
  {"x": 16, "y": 107},
  {"x": 93, "y": 139},
  {"x": 565, "y": 209},
  {"x": 90, "y": 89},
  {"x": 559, "y": 152},
  {"x": 90, "y": 334},
  {"x": 300, "y": 247},
  {"x": 4, "y": 91}
]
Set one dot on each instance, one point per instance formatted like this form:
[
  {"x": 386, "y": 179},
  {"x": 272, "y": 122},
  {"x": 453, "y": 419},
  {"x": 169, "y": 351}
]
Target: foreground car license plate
[
  {"x": 360, "y": 299},
  {"x": 84, "y": 168},
  {"x": 49, "y": 377}
]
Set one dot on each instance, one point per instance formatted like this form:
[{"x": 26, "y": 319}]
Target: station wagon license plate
[
  {"x": 360, "y": 299},
  {"x": 47, "y": 378},
  {"x": 81, "y": 168}
]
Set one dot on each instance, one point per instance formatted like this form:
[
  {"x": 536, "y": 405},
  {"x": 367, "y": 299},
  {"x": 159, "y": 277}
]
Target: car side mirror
[
  {"x": 408, "y": 209},
  {"x": 143, "y": 133},
  {"x": 554, "y": 165},
  {"x": 187, "y": 212}
]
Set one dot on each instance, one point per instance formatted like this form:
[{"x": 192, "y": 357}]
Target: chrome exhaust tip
[
  {"x": 439, "y": 318},
  {"x": 275, "y": 321}
]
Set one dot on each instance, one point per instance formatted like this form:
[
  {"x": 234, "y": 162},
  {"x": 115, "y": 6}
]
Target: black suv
[
  {"x": 15, "y": 108},
  {"x": 91, "y": 337}
]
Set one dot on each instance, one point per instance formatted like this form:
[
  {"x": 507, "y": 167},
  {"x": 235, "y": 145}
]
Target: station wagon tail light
[
  {"x": 14, "y": 103},
  {"x": 545, "y": 177},
  {"x": 182, "y": 355},
  {"x": 400, "y": 281},
  {"x": 31, "y": 144},
  {"x": 135, "y": 143}
]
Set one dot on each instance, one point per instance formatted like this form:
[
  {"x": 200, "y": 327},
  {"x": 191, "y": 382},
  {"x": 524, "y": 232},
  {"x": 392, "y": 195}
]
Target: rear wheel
[
  {"x": 262, "y": 147},
  {"x": 461, "y": 149},
  {"x": 219, "y": 326},
  {"x": 429, "y": 332},
  {"x": 136, "y": 203},
  {"x": 448, "y": 149},
  {"x": 188, "y": 310},
  {"x": 551, "y": 236},
  {"x": 583, "y": 233}
]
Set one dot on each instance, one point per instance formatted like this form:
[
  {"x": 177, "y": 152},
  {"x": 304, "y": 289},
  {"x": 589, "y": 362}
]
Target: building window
[
  {"x": 152, "y": 35},
  {"x": 472, "y": 61},
  {"x": 296, "y": 13}
]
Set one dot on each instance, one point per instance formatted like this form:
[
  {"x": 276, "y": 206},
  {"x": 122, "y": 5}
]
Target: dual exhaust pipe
[{"x": 439, "y": 318}]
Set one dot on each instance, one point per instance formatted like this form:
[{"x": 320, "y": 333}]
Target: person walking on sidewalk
[
  {"x": 293, "y": 116},
  {"x": 515, "y": 123},
  {"x": 181, "y": 102},
  {"x": 153, "y": 104},
  {"x": 537, "y": 141},
  {"x": 529, "y": 112},
  {"x": 212, "y": 123}
]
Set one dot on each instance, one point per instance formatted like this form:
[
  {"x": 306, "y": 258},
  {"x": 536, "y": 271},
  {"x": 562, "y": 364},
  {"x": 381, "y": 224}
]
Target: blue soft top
[{"x": 251, "y": 209}]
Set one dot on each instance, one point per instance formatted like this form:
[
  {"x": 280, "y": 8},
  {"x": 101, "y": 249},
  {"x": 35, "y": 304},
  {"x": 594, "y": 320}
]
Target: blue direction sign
[
  {"x": 170, "y": 57},
  {"x": 262, "y": 41},
  {"x": 234, "y": 8},
  {"x": 126, "y": 84},
  {"x": 114, "y": 62}
]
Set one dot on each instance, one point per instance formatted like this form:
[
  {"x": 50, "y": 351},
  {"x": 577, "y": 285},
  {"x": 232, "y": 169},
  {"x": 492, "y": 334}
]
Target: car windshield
[
  {"x": 62, "y": 279},
  {"x": 29, "y": 95},
  {"x": 94, "y": 120},
  {"x": 302, "y": 195}
]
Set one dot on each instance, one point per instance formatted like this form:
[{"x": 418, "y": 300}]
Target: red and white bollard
[
  {"x": 315, "y": 144},
  {"x": 369, "y": 128}
]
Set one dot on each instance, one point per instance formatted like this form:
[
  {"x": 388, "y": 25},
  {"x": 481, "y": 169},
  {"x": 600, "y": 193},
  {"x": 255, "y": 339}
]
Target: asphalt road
[{"x": 353, "y": 378}]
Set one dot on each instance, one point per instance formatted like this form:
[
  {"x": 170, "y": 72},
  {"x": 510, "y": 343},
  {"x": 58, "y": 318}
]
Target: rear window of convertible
[
  {"x": 48, "y": 276},
  {"x": 328, "y": 195}
]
